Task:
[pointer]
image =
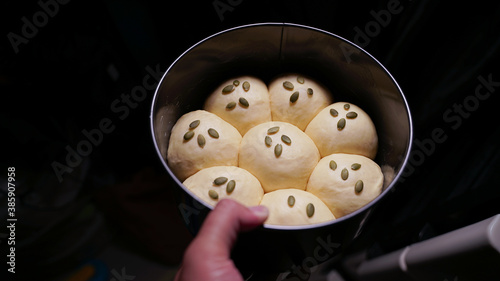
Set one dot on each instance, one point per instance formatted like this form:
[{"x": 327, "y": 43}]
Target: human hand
[{"x": 208, "y": 256}]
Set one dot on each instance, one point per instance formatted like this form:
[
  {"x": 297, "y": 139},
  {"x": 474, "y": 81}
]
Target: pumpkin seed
[
  {"x": 213, "y": 133},
  {"x": 291, "y": 200},
  {"x": 300, "y": 79},
  {"x": 351, "y": 115},
  {"x": 230, "y": 186},
  {"x": 341, "y": 124},
  {"x": 189, "y": 135},
  {"x": 220, "y": 180},
  {"x": 228, "y": 89},
  {"x": 246, "y": 86},
  {"x": 194, "y": 124},
  {"x": 344, "y": 174},
  {"x": 268, "y": 141},
  {"x": 334, "y": 112},
  {"x": 231, "y": 105},
  {"x": 273, "y": 130},
  {"x": 288, "y": 85},
  {"x": 286, "y": 139},
  {"x": 213, "y": 194},
  {"x": 201, "y": 141},
  {"x": 244, "y": 102},
  {"x": 310, "y": 210},
  {"x": 278, "y": 149},
  {"x": 236, "y": 83},
  {"x": 333, "y": 165},
  {"x": 310, "y": 91},
  {"x": 294, "y": 97},
  {"x": 358, "y": 187},
  {"x": 347, "y": 106},
  {"x": 355, "y": 166}
]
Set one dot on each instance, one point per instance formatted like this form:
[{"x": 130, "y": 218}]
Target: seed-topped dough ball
[
  {"x": 242, "y": 101},
  {"x": 346, "y": 182},
  {"x": 215, "y": 183},
  {"x": 279, "y": 154},
  {"x": 296, "y": 99},
  {"x": 343, "y": 128},
  {"x": 295, "y": 207},
  {"x": 199, "y": 140}
]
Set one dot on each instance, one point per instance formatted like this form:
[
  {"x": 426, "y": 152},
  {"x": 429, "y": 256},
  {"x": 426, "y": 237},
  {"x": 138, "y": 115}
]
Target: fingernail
[{"x": 260, "y": 211}]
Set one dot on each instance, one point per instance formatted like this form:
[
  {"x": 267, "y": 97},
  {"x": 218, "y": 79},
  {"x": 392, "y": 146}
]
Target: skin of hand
[{"x": 208, "y": 256}]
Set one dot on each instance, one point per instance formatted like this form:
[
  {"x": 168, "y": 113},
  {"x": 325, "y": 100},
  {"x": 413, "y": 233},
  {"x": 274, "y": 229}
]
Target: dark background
[{"x": 83, "y": 57}]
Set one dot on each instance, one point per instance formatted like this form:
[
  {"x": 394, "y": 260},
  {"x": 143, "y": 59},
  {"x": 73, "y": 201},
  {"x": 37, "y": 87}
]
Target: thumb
[
  {"x": 208, "y": 255},
  {"x": 222, "y": 225}
]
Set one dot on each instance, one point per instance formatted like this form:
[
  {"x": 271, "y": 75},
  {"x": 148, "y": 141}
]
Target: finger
[{"x": 228, "y": 218}]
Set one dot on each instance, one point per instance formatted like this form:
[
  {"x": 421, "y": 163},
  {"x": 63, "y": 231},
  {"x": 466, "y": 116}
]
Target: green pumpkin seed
[
  {"x": 351, "y": 115},
  {"x": 341, "y": 124},
  {"x": 310, "y": 91},
  {"x": 220, "y": 180},
  {"x": 288, "y": 85},
  {"x": 236, "y": 83},
  {"x": 228, "y": 89},
  {"x": 230, "y": 186},
  {"x": 268, "y": 141},
  {"x": 344, "y": 174},
  {"x": 244, "y": 102},
  {"x": 194, "y": 124},
  {"x": 291, "y": 200},
  {"x": 355, "y": 166},
  {"x": 310, "y": 210},
  {"x": 246, "y": 86},
  {"x": 334, "y": 112},
  {"x": 213, "y": 133},
  {"x": 294, "y": 97},
  {"x": 347, "y": 106},
  {"x": 286, "y": 139},
  {"x": 358, "y": 187},
  {"x": 189, "y": 135},
  {"x": 333, "y": 165},
  {"x": 213, "y": 194},
  {"x": 278, "y": 149},
  {"x": 201, "y": 141},
  {"x": 300, "y": 79},
  {"x": 273, "y": 130},
  {"x": 231, "y": 105}
]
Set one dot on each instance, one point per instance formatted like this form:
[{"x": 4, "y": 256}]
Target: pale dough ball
[
  {"x": 290, "y": 207},
  {"x": 279, "y": 154},
  {"x": 312, "y": 98},
  {"x": 343, "y": 128},
  {"x": 242, "y": 101},
  {"x": 216, "y": 183},
  {"x": 346, "y": 182},
  {"x": 201, "y": 139}
]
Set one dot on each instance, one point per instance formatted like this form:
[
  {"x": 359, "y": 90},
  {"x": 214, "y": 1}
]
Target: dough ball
[
  {"x": 201, "y": 139},
  {"x": 343, "y": 128},
  {"x": 215, "y": 183},
  {"x": 295, "y": 207},
  {"x": 242, "y": 101},
  {"x": 346, "y": 182},
  {"x": 279, "y": 154},
  {"x": 312, "y": 98}
]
